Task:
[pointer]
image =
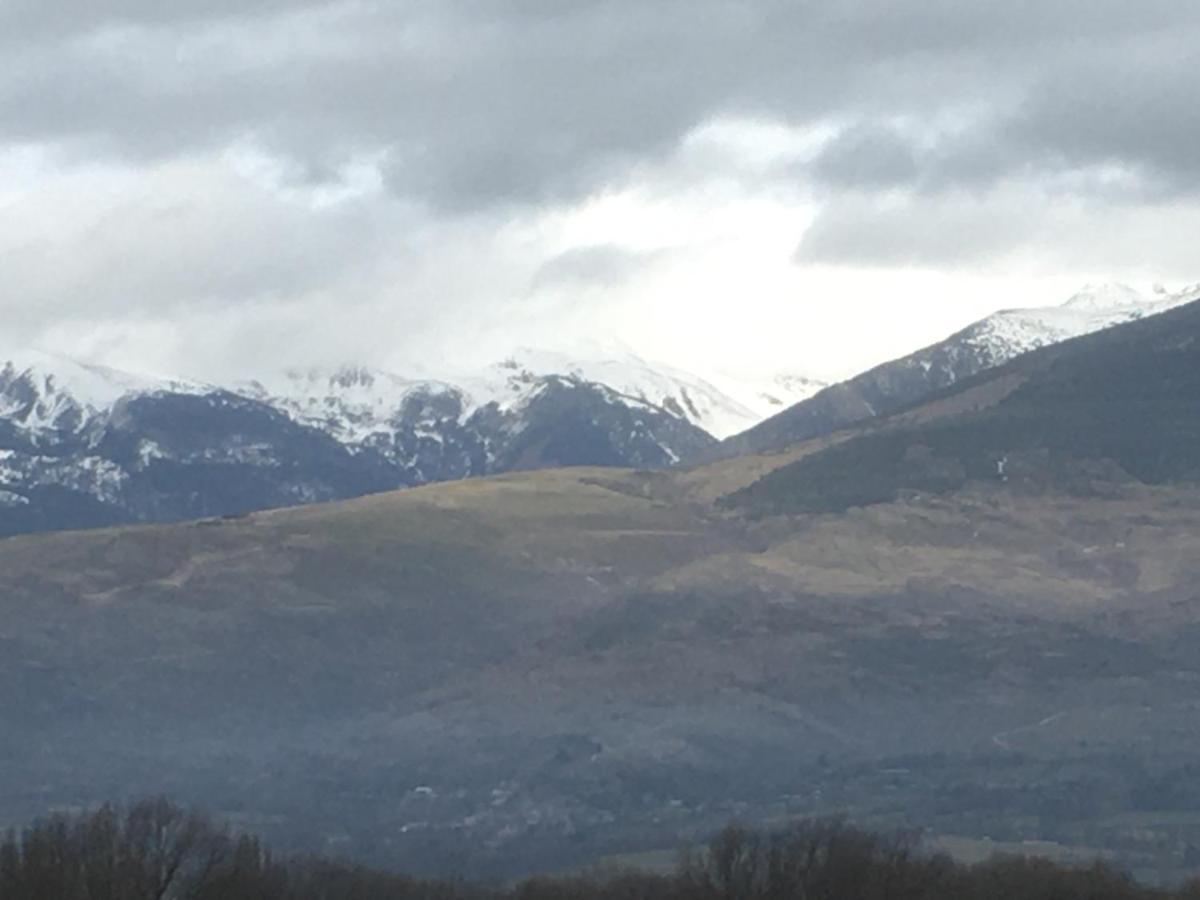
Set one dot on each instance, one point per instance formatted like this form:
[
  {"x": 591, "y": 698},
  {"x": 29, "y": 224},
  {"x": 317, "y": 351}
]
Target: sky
[{"x": 219, "y": 188}]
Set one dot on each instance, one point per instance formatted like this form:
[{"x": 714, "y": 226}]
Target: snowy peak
[
  {"x": 1009, "y": 333},
  {"x": 1104, "y": 297},
  {"x": 531, "y": 408},
  {"x": 355, "y": 402},
  {"x": 679, "y": 393},
  {"x": 82, "y": 446},
  {"x": 719, "y": 404},
  {"x": 989, "y": 342},
  {"x": 352, "y": 403},
  {"x": 95, "y": 386},
  {"x": 44, "y": 392}
]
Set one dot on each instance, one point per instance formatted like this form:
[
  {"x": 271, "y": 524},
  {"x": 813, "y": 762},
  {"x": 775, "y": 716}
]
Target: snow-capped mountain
[
  {"x": 719, "y": 404},
  {"x": 435, "y": 430},
  {"x": 989, "y": 342},
  {"x": 83, "y": 445},
  {"x": 358, "y": 405},
  {"x": 1009, "y": 333},
  {"x": 682, "y": 394}
]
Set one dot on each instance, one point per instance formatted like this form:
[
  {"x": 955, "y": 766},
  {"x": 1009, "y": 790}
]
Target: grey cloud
[
  {"x": 232, "y": 247},
  {"x": 978, "y": 230},
  {"x": 597, "y": 266},
  {"x": 478, "y": 108},
  {"x": 1140, "y": 112},
  {"x": 1125, "y": 102},
  {"x": 22, "y": 21},
  {"x": 868, "y": 156},
  {"x": 872, "y": 156},
  {"x": 860, "y": 231},
  {"x": 479, "y": 103}
]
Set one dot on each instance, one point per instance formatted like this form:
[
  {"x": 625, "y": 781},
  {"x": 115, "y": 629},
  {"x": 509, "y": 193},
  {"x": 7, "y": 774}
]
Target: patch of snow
[
  {"x": 99, "y": 477},
  {"x": 94, "y": 475},
  {"x": 148, "y": 451},
  {"x": 9, "y": 471},
  {"x": 1100, "y": 297},
  {"x": 351, "y": 403}
]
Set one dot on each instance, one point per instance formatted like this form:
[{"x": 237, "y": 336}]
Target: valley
[{"x": 539, "y": 669}]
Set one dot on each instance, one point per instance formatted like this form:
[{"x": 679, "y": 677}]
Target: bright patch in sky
[{"x": 218, "y": 190}]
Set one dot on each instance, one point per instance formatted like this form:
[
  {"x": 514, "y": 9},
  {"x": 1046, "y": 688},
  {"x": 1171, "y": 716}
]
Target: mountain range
[
  {"x": 84, "y": 446},
  {"x": 975, "y": 617}
]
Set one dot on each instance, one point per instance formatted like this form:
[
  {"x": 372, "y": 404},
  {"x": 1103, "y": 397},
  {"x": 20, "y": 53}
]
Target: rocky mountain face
[
  {"x": 981, "y": 346},
  {"x": 84, "y": 446},
  {"x": 66, "y": 462}
]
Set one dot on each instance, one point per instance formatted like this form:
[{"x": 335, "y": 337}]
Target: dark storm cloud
[
  {"x": 479, "y": 102},
  {"x": 868, "y": 156},
  {"x": 858, "y": 230},
  {"x": 1141, "y": 112},
  {"x": 951, "y": 120},
  {"x": 1137, "y": 112}
]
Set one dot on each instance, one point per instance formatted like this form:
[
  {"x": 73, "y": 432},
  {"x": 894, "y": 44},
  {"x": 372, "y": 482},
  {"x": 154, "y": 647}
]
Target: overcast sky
[{"x": 214, "y": 187}]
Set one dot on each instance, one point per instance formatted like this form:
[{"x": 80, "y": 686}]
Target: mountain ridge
[
  {"x": 84, "y": 445},
  {"x": 73, "y": 456},
  {"x": 1098, "y": 409},
  {"x": 982, "y": 345}
]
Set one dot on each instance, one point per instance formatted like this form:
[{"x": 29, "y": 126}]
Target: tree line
[{"x": 155, "y": 850}]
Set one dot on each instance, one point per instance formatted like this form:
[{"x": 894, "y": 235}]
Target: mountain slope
[
  {"x": 532, "y": 670},
  {"x": 1107, "y": 407},
  {"x": 981, "y": 346}
]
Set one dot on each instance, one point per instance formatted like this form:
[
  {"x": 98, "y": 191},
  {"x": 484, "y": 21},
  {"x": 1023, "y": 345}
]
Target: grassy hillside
[
  {"x": 540, "y": 669},
  {"x": 534, "y": 671}
]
